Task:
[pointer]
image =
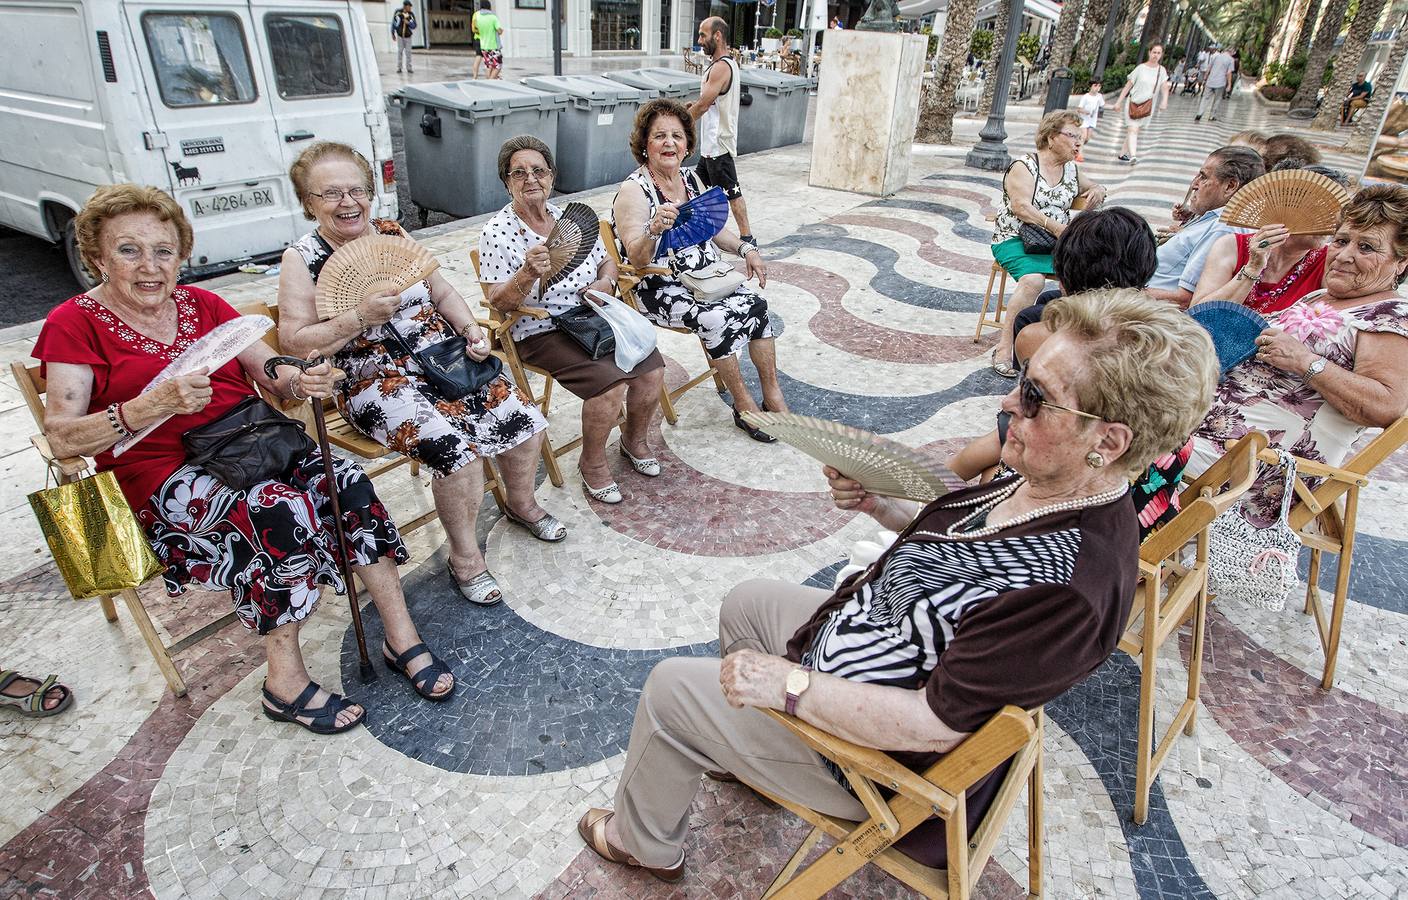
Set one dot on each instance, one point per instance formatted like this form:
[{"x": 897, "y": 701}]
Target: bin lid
[
  {"x": 593, "y": 88},
  {"x": 671, "y": 82},
  {"x": 767, "y": 78},
  {"x": 484, "y": 96}
]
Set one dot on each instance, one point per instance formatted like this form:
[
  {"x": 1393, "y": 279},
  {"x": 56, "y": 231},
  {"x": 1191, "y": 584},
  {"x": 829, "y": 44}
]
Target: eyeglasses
[
  {"x": 521, "y": 175},
  {"x": 1030, "y": 400},
  {"x": 1074, "y": 137},
  {"x": 335, "y": 195}
]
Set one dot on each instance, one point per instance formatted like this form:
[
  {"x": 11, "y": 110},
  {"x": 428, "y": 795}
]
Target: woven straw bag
[{"x": 1255, "y": 566}]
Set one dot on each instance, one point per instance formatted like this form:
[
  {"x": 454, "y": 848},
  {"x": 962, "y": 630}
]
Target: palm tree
[
  {"x": 1088, "y": 47},
  {"x": 1063, "y": 41},
  {"x": 1307, "y": 29},
  {"x": 1330, "y": 24},
  {"x": 1367, "y": 131},
  {"x": 999, "y": 37},
  {"x": 1287, "y": 31},
  {"x": 1360, "y": 30},
  {"x": 937, "y": 98}
]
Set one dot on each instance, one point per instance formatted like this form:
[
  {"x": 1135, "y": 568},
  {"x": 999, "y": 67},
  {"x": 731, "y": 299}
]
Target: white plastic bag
[
  {"x": 635, "y": 336},
  {"x": 864, "y": 553}
]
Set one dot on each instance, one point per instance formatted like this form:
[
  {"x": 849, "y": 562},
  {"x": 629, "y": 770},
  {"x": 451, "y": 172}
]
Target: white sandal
[
  {"x": 649, "y": 467},
  {"x": 481, "y": 590},
  {"x": 609, "y": 494}
]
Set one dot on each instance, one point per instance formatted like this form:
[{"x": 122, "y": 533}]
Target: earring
[
  {"x": 103, "y": 277},
  {"x": 1094, "y": 460}
]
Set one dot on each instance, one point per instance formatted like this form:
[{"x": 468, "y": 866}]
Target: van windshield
[
  {"x": 200, "y": 58},
  {"x": 309, "y": 56}
]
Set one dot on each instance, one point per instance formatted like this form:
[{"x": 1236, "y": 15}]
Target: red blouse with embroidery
[
  {"x": 82, "y": 331},
  {"x": 1305, "y": 277}
]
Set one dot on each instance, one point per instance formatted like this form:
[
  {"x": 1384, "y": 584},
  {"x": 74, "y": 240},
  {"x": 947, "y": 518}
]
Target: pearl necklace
[{"x": 956, "y": 529}]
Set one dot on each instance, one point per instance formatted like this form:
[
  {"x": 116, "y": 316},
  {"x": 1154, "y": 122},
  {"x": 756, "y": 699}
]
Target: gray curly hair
[{"x": 514, "y": 145}]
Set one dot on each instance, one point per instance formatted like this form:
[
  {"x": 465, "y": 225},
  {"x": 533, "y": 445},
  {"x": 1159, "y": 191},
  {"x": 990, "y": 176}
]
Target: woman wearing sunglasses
[{"x": 1010, "y": 592}]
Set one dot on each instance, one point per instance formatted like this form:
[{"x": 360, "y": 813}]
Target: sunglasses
[{"x": 1030, "y": 400}]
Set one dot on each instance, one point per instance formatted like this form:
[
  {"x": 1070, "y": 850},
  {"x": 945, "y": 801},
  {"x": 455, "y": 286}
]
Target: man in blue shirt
[{"x": 1182, "y": 256}]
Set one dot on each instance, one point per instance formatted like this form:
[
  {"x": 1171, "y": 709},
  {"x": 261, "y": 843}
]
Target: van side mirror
[{"x": 430, "y": 124}]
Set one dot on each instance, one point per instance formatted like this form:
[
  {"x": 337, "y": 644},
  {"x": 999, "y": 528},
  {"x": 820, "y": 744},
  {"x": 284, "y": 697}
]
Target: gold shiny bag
[{"x": 96, "y": 541}]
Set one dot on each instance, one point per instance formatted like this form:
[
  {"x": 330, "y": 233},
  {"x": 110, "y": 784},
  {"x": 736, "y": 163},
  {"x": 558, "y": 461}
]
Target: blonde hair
[
  {"x": 1145, "y": 363},
  {"x": 113, "y": 200},
  {"x": 1253, "y": 139},
  {"x": 315, "y": 153},
  {"x": 1052, "y": 123}
]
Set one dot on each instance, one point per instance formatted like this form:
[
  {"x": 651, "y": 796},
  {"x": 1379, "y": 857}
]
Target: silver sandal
[
  {"x": 481, "y": 590},
  {"x": 1002, "y": 368},
  {"x": 649, "y": 467},
  {"x": 548, "y": 528}
]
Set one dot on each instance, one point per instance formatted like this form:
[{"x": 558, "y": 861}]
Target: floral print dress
[
  {"x": 386, "y": 399},
  {"x": 1258, "y": 396}
]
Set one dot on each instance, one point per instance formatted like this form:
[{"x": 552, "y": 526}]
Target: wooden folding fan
[
  {"x": 370, "y": 265},
  {"x": 570, "y": 242},
  {"x": 1305, "y": 202},
  {"x": 881, "y": 466}
]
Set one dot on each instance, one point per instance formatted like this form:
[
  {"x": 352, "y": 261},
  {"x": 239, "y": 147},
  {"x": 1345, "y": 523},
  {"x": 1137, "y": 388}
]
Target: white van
[{"x": 209, "y": 100}]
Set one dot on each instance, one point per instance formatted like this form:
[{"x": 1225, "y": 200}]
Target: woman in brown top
[{"x": 1008, "y": 593}]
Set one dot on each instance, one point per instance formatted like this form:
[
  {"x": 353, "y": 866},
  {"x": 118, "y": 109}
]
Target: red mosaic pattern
[{"x": 929, "y": 249}]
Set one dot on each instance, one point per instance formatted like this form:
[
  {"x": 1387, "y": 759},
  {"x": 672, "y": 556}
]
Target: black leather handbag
[
  {"x": 587, "y": 327},
  {"x": 1036, "y": 239},
  {"x": 253, "y": 442},
  {"x": 445, "y": 366}
]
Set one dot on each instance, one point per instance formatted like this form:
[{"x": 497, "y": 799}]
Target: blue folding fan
[
  {"x": 1233, "y": 328},
  {"x": 698, "y": 221}
]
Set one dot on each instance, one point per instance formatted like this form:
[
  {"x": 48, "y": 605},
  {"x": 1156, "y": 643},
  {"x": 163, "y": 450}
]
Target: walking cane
[{"x": 364, "y": 663}]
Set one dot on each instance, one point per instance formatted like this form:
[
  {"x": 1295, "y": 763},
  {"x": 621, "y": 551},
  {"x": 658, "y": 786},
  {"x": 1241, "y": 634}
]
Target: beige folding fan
[
  {"x": 1305, "y": 202},
  {"x": 882, "y": 466},
  {"x": 375, "y": 264}
]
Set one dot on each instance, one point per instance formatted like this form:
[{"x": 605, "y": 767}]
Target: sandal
[
  {"x": 31, "y": 705},
  {"x": 324, "y": 717},
  {"x": 592, "y": 828},
  {"x": 424, "y": 680},
  {"x": 609, "y": 494},
  {"x": 756, "y": 434},
  {"x": 481, "y": 590},
  {"x": 649, "y": 467},
  {"x": 1001, "y": 368},
  {"x": 548, "y": 528}
]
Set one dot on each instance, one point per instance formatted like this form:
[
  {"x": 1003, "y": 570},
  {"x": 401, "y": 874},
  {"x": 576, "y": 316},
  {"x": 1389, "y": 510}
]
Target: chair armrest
[
  {"x": 1317, "y": 469},
  {"x": 68, "y": 466}
]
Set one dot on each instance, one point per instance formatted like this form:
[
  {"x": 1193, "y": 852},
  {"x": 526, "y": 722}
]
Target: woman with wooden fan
[
  {"x": 380, "y": 336},
  {"x": 646, "y": 206},
  {"x": 518, "y": 269}
]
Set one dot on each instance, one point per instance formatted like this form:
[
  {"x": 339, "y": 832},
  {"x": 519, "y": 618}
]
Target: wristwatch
[
  {"x": 1315, "y": 368},
  {"x": 798, "y": 680}
]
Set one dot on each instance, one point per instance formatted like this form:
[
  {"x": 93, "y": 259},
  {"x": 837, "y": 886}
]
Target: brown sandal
[{"x": 592, "y": 828}]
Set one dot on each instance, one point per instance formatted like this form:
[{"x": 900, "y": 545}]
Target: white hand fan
[
  {"x": 211, "y": 351},
  {"x": 570, "y": 242},
  {"x": 1305, "y": 202},
  {"x": 374, "y": 264},
  {"x": 882, "y": 466}
]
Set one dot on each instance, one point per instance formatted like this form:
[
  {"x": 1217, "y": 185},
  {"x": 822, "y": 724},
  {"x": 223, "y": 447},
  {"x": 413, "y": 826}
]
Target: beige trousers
[{"x": 684, "y": 726}]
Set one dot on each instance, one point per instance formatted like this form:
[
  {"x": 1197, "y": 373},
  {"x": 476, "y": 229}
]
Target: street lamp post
[
  {"x": 991, "y": 151},
  {"x": 1099, "y": 72}
]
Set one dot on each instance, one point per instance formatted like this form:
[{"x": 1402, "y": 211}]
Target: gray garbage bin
[
  {"x": 453, "y": 131},
  {"x": 669, "y": 82},
  {"x": 594, "y": 131},
  {"x": 777, "y": 114}
]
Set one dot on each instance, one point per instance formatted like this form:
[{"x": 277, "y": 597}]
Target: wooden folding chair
[
  {"x": 939, "y": 791},
  {"x": 1324, "y": 527},
  {"x": 1172, "y": 590},
  {"x": 629, "y": 276},
  {"x": 996, "y": 273}
]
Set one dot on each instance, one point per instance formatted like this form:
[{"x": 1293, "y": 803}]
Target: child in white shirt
[{"x": 1090, "y": 104}]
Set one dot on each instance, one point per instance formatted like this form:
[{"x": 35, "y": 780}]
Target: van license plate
[{"x": 237, "y": 201}]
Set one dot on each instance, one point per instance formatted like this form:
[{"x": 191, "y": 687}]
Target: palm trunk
[
  {"x": 1320, "y": 48},
  {"x": 1290, "y": 26},
  {"x": 938, "y": 97},
  {"x": 1367, "y": 131},
  {"x": 1360, "y": 30},
  {"x": 1124, "y": 32},
  {"x": 1063, "y": 41},
  {"x": 1307, "y": 30},
  {"x": 999, "y": 39},
  {"x": 1091, "y": 34}
]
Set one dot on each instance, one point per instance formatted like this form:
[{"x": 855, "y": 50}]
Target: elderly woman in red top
[{"x": 271, "y": 545}]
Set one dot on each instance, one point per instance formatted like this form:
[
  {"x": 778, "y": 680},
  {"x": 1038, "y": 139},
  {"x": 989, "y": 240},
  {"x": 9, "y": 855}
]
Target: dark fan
[
  {"x": 570, "y": 243},
  {"x": 698, "y": 221},
  {"x": 1233, "y": 328}
]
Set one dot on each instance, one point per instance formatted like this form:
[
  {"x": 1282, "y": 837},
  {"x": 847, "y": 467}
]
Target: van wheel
[{"x": 75, "y": 260}]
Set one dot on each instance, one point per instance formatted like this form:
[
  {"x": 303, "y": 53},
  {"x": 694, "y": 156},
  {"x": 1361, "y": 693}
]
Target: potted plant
[{"x": 772, "y": 39}]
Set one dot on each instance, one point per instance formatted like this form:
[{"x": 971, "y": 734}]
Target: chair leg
[
  {"x": 959, "y": 878},
  {"x": 1195, "y": 658},
  {"x": 1001, "y": 297},
  {"x": 550, "y": 461},
  {"x": 787, "y": 871},
  {"x": 1311, "y": 581},
  {"x": 547, "y": 394},
  {"x": 109, "y": 610},
  {"x": 1332, "y": 647},
  {"x": 496, "y": 485},
  {"x": 154, "y": 643},
  {"x": 1148, "y": 663},
  {"x": 1036, "y": 842},
  {"x": 709, "y": 361},
  {"x": 987, "y": 298},
  {"x": 667, "y": 406}
]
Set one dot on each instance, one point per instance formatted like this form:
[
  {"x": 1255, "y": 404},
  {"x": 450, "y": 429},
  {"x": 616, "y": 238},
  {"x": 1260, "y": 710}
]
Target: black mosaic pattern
[
  {"x": 887, "y": 281},
  {"x": 1377, "y": 574}
]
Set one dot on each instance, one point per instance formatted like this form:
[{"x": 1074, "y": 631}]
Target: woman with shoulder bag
[
  {"x": 1146, "y": 85},
  {"x": 720, "y": 307},
  {"x": 270, "y": 543}
]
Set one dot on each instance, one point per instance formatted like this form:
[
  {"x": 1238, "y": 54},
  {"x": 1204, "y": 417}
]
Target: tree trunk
[
  {"x": 1290, "y": 26},
  {"x": 1348, "y": 57},
  {"x": 938, "y": 97},
  {"x": 1367, "y": 131},
  {"x": 1324, "y": 42},
  {"x": 1307, "y": 30},
  {"x": 1124, "y": 32},
  {"x": 1063, "y": 41},
  {"x": 999, "y": 39},
  {"x": 1091, "y": 34}
]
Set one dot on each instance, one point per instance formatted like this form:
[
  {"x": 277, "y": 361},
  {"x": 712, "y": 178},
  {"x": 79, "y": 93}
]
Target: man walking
[
  {"x": 490, "y": 33},
  {"x": 716, "y": 111},
  {"x": 403, "y": 25},
  {"x": 1220, "y": 67}
]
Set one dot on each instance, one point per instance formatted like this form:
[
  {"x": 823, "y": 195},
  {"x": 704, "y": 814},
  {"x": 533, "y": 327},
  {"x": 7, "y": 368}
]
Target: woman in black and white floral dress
[
  {"x": 384, "y": 395},
  {"x": 645, "y": 207}
]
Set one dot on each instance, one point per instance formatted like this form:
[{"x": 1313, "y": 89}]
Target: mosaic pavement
[{"x": 1285, "y": 791}]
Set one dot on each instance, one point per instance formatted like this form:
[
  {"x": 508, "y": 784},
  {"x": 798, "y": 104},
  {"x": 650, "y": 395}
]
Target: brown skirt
[{"x": 573, "y": 369}]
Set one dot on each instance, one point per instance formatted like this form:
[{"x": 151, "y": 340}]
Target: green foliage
[
  {"x": 1028, "y": 46},
  {"x": 1115, "y": 77},
  {"x": 1080, "y": 79},
  {"x": 773, "y": 34},
  {"x": 1172, "y": 55},
  {"x": 980, "y": 45},
  {"x": 794, "y": 32},
  {"x": 933, "y": 41}
]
